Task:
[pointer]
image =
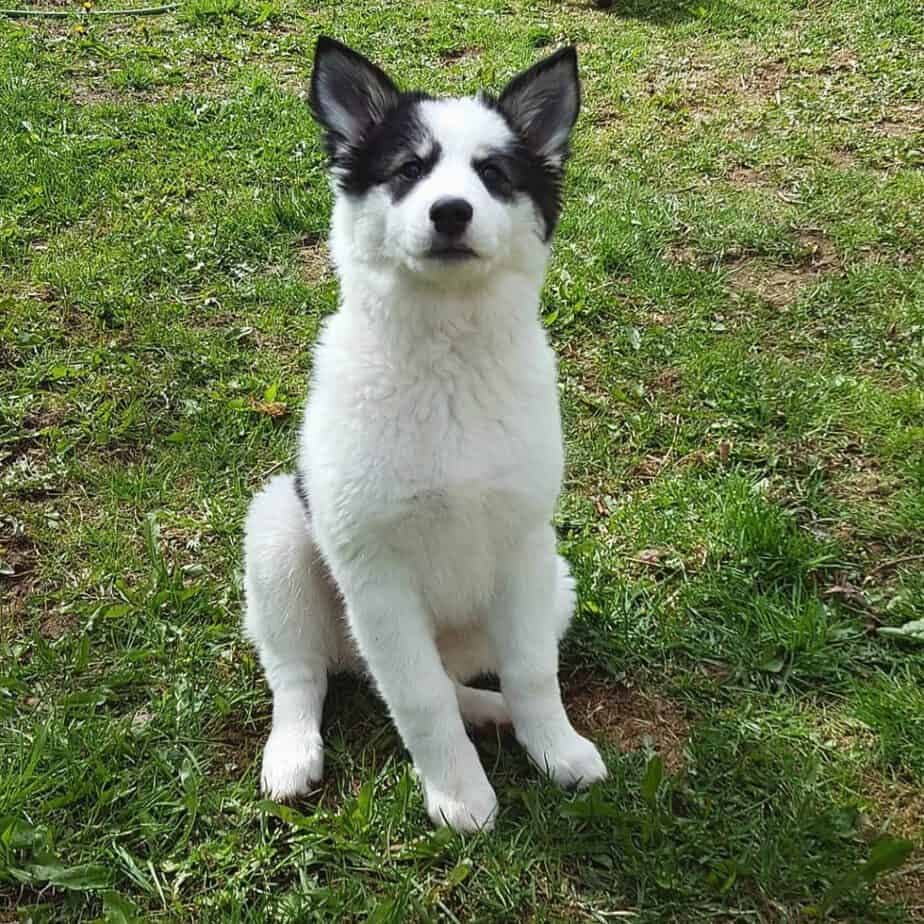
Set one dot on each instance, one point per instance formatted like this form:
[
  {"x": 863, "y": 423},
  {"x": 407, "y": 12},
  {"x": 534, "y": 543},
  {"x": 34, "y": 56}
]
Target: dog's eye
[
  {"x": 411, "y": 169},
  {"x": 493, "y": 177}
]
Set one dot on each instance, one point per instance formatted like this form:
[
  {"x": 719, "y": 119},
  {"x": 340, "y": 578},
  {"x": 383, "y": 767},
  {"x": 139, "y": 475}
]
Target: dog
[{"x": 414, "y": 542}]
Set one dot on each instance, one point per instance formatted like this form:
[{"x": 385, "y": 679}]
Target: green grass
[{"x": 737, "y": 298}]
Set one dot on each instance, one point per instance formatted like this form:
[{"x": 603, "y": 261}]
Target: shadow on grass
[{"x": 668, "y": 12}]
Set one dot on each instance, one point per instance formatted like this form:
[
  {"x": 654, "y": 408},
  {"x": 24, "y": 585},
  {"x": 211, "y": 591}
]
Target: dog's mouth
[{"x": 452, "y": 253}]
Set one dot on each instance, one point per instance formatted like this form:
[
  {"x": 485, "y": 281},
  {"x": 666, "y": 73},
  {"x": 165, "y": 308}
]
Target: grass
[{"x": 737, "y": 298}]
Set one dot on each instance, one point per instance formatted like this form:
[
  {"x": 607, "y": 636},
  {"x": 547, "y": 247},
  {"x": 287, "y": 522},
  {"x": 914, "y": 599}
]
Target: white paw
[
  {"x": 292, "y": 762},
  {"x": 571, "y": 761},
  {"x": 470, "y": 807}
]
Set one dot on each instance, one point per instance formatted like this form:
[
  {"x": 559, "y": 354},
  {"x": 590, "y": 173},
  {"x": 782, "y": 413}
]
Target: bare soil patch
[
  {"x": 895, "y": 806},
  {"x": 840, "y": 61},
  {"x": 648, "y": 468},
  {"x": 903, "y": 121},
  {"x": 898, "y": 807},
  {"x": 777, "y": 286},
  {"x": 819, "y": 253},
  {"x": 462, "y": 55},
  {"x": 18, "y": 558},
  {"x": 842, "y": 158},
  {"x": 314, "y": 259},
  {"x": 680, "y": 254},
  {"x": 632, "y": 718},
  {"x": 906, "y": 886},
  {"x": 766, "y": 81},
  {"x": 56, "y": 625},
  {"x": 98, "y": 92},
  {"x": 742, "y": 177},
  {"x": 701, "y": 88},
  {"x": 236, "y": 747},
  {"x": 781, "y": 285},
  {"x": 667, "y": 381}
]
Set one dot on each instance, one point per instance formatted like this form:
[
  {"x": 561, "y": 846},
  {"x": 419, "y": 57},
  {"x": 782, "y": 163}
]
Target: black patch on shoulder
[
  {"x": 302, "y": 491},
  {"x": 378, "y": 158},
  {"x": 525, "y": 172}
]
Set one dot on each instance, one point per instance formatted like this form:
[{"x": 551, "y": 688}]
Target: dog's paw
[
  {"x": 466, "y": 808},
  {"x": 571, "y": 761},
  {"x": 292, "y": 763}
]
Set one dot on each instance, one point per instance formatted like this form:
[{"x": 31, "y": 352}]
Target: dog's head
[{"x": 445, "y": 189}]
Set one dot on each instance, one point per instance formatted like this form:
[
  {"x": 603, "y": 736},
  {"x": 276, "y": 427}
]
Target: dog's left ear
[{"x": 543, "y": 102}]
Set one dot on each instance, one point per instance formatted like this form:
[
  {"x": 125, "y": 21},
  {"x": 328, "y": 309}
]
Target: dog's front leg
[
  {"x": 534, "y": 607},
  {"x": 396, "y": 639}
]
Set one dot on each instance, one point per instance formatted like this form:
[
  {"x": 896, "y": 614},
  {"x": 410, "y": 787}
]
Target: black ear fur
[
  {"x": 349, "y": 94},
  {"x": 542, "y": 104}
]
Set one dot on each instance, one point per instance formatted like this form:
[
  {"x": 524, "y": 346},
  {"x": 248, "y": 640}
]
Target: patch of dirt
[
  {"x": 699, "y": 88},
  {"x": 742, "y": 177},
  {"x": 844, "y": 59},
  {"x": 819, "y": 253},
  {"x": 181, "y": 539},
  {"x": 661, "y": 318},
  {"x": 894, "y": 806},
  {"x": 604, "y": 115},
  {"x": 90, "y": 86},
  {"x": 680, "y": 254},
  {"x": 44, "y": 417},
  {"x": 95, "y": 92},
  {"x": 905, "y": 886},
  {"x": 777, "y": 286},
  {"x": 667, "y": 381},
  {"x": 463, "y": 55},
  {"x": 898, "y": 807},
  {"x": 691, "y": 87},
  {"x": 649, "y": 468},
  {"x": 9, "y": 356},
  {"x": 766, "y": 81},
  {"x": 236, "y": 747},
  {"x": 56, "y": 625},
  {"x": 903, "y": 258},
  {"x": 854, "y": 476},
  {"x": 18, "y": 557},
  {"x": 780, "y": 285},
  {"x": 903, "y": 121},
  {"x": 612, "y": 712},
  {"x": 35, "y": 421},
  {"x": 842, "y": 158},
  {"x": 314, "y": 259}
]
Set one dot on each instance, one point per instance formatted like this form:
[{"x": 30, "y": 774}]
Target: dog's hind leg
[
  {"x": 482, "y": 707},
  {"x": 293, "y": 618}
]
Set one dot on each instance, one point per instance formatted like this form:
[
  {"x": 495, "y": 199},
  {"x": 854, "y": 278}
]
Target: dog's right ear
[{"x": 349, "y": 94}]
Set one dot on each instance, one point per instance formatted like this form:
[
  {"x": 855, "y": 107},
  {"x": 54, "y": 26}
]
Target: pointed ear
[
  {"x": 349, "y": 94},
  {"x": 543, "y": 102}
]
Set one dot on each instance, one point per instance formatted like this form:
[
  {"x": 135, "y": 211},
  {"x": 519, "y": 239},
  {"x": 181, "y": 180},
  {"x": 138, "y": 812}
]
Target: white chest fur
[{"x": 439, "y": 443}]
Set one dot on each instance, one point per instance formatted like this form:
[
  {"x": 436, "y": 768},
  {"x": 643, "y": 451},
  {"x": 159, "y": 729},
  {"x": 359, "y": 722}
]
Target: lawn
[{"x": 737, "y": 300}]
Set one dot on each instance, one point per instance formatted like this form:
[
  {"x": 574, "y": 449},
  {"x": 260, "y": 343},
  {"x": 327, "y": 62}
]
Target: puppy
[{"x": 414, "y": 541}]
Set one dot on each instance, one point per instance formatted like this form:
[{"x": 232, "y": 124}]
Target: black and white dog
[{"x": 415, "y": 541}]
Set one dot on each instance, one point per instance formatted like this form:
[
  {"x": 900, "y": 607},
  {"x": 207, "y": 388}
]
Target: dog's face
[{"x": 445, "y": 189}]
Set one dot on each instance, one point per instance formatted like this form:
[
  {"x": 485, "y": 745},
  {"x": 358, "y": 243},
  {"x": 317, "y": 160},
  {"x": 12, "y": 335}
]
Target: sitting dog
[{"x": 414, "y": 541}]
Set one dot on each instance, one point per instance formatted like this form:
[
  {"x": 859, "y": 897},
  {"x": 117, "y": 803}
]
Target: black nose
[{"x": 450, "y": 215}]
